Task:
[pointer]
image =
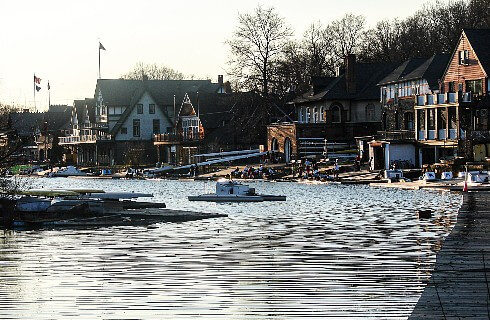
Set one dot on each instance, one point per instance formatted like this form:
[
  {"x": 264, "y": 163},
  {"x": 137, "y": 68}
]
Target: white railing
[{"x": 84, "y": 139}]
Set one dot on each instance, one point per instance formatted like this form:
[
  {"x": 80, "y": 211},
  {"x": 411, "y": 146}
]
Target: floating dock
[{"x": 459, "y": 287}]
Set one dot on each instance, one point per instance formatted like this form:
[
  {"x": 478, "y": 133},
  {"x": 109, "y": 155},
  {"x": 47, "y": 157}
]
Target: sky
[{"x": 59, "y": 40}]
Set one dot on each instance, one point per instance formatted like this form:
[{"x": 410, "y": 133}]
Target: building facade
[
  {"x": 455, "y": 122},
  {"x": 396, "y": 145},
  {"x": 333, "y": 113},
  {"x": 118, "y": 126}
]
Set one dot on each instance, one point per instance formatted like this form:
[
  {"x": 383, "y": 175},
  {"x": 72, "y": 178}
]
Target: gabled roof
[
  {"x": 431, "y": 70},
  {"x": 480, "y": 42},
  {"x": 367, "y": 75},
  {"x": 27, "y": 123},
  {"x": 121, "y": 92},
  {"x": 402, "y": 70},
  {"x": 84, "y": 107}
]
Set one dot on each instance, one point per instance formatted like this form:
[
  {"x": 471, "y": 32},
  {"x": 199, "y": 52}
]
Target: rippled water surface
[{"x": 329, "y": 251}]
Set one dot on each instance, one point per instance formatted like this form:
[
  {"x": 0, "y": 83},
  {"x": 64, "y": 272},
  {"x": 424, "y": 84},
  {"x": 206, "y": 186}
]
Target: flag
[
  {"x": 37, "y": 80},
  {"x": 38, "y": 88},
  {"x": 101, "y": 47},
  {"x": 49, "y": 87}
]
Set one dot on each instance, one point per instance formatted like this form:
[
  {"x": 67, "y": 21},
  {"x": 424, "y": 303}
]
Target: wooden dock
[{"x": 459, "y": 287}]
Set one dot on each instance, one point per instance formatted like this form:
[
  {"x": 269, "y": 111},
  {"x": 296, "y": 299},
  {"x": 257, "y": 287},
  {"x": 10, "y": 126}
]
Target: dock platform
[{"x": 459, "y": 286}]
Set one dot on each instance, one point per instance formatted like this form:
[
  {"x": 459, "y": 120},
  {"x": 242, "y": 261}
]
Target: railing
[
  {"x": 397, "y": 135},
  {"x": 466, "y": 97},
  {"x": 84, "y": 139},
  {"x": 441, "y": 98},
  {"x": 453, "y": 134},
  {"x": 441, "y": 134},
  {"x": 431, "y": 135},
  {"x": 176, "y": 137}
]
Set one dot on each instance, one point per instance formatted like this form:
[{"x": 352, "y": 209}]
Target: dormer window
[{"x": 464, "y": 57}]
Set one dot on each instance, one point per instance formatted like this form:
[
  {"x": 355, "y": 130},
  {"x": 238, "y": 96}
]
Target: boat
[
  {"x": 232, "y": 191},
  {"x": 69, "y": 171}
]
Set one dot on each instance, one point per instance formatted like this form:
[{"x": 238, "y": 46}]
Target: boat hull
[
  {"x": 236, "y": 198},
  {"x": 225, "y": 198}
]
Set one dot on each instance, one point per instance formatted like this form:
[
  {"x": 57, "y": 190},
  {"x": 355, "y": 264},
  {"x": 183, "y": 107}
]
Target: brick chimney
[{"x": 350, "y": 73}]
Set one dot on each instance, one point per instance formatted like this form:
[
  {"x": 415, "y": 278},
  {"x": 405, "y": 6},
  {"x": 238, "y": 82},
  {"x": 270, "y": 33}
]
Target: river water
[{"x": 329, "y": 251}]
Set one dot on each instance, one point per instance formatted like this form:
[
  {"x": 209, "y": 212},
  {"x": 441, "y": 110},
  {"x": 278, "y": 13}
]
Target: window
[
  {"x": 432, "y": 119},
  {"x": 156, "y": 126},
  {"x": 370, "y": 115},
  {"x": 315, "y": 115},
  {"x": 452, "y": 86},
  {"x": 421, "y": 122},
  {"x": 139, "y": 108},
  {"x": 103, "y": 109},
  {"x": 308, "y": 115},
  {"x": 124, "y": 130},
  {"x": 136, "y": 128},
  {"x": 464, "y": 57},
  {"x": 322, "y": 114},
  {"x": 300, "y": 115},
  {"x": 151, "y": 109},
  {"x": 474, "y": 86},
  {"x": 336, "y": 117},
  {"x": 409, "y": 123}
]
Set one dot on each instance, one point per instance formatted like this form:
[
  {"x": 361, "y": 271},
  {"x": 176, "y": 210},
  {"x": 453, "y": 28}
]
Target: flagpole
[
  {"x": 99, "y": 60},
  {"x": 49, "y": 95},
  {"x": 34, "y": 82}
]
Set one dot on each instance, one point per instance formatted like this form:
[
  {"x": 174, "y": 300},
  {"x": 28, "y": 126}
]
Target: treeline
[{"x": 264, "y": 56}]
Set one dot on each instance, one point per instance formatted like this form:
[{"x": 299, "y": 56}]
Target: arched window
[
  {"x": 315, "y": 115},
  {"x": 274, "y": 145},
  {"x": 322, "y": 114},
  {"x": 336, "y": 113},
  {"x": 308, "y": 115},
  {"x": 300, "y": 115}
]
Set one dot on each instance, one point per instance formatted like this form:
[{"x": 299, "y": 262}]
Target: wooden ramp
[{"x": 459, "y": 285}]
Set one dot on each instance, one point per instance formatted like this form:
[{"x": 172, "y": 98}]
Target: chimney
[
  {"x": 350, "y": 75},
  {"x": 220, "y": 80}
]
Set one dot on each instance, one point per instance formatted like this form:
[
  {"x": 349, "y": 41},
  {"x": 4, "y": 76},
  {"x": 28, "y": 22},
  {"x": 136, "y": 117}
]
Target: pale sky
[{"x": 58, "y": 40}]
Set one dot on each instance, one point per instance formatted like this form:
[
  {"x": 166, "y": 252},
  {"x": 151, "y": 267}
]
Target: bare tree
[
  {"x": 382, "y": 42},
  {"x": 153, "y": 72},
  {"x": 256, "y": 46},
  {"x": 318, "y": 50},
  {"x": 346, "y": 34}
]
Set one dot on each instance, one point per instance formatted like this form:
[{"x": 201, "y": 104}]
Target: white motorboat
[
  {"x": 68, "y": 172},
  {"x": 232, "y": 191}
]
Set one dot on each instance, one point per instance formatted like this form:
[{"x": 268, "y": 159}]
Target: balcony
[
  {"x": 441, "y": 134},
  {"x": 175, "y": 138},
  {"x": 438, "y": 99},
  {"x": 92, "y": 138},
  {"x": 396, "y": 135}
]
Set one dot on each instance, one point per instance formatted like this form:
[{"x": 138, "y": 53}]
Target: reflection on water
[{"x": 329, "y": 251}]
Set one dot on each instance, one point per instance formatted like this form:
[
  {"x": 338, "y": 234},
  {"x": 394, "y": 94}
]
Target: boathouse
[
  {"x": 118, "y": 125},
  {"x": 455, "y": 121},
  {"x": 396, "y": 144},
  {"x": 333, "y": 112}
]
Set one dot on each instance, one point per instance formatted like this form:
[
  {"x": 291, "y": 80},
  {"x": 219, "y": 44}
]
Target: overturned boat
[{"x": 232, "y": 191}]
